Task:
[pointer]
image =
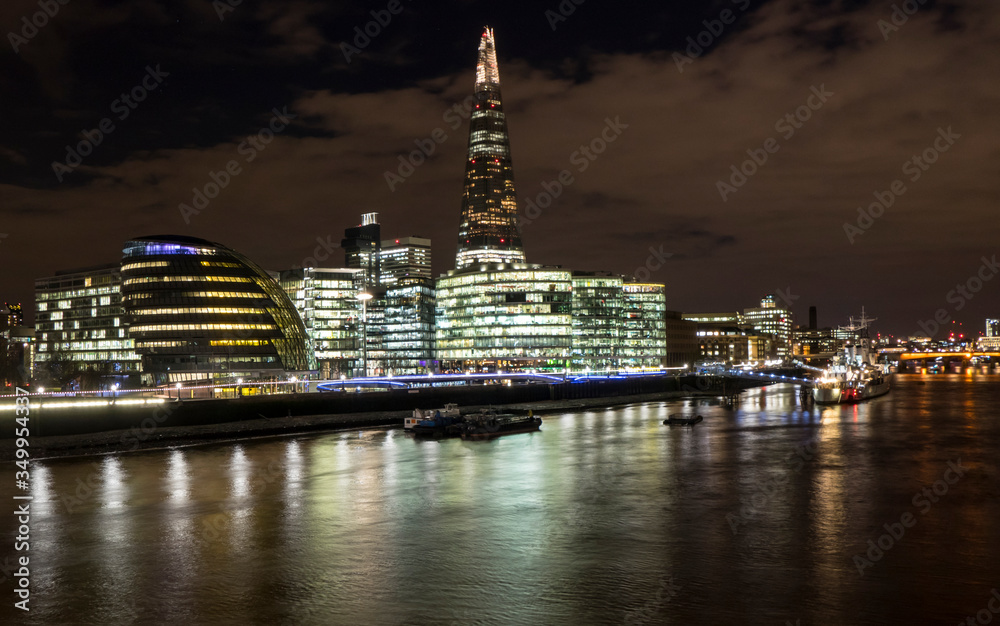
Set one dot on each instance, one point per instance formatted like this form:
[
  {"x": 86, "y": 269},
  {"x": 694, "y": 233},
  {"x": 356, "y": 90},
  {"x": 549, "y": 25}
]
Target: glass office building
[
  {"x": 198, "y": 310},
  {"x": 505, "y": 317},
  {"x": 643, "y": 335},
  {"x": 361, "y": 245},
  {"x": 774, "y": 320},
  {"x": 406, "y": 261},
  {"x": 408, "y": 340},
  {"x": 79, "y": 318},
  {"x": 327, "y": 303},
  {"x": 597, "y": 321}
]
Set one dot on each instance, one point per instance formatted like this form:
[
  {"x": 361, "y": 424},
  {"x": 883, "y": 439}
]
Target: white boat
[
  {"x": 449, "y": 410},
  {"x": 854, "y": 376}
]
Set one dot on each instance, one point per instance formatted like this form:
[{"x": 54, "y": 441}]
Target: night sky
[{"x": 867, "y": 92}]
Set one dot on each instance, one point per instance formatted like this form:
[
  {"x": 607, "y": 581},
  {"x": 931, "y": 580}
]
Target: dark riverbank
[
  {"x": 175, "y": 436},
  {"x": 101, "y": 429}
]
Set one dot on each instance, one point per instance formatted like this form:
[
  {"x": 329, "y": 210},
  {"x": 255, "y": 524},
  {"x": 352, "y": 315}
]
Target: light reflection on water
[{"x": 588, "y": 521}]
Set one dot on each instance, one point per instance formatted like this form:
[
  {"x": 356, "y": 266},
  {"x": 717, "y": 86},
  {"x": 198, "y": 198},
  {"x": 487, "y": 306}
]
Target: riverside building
[
  {"x": 495, "y": 312},
  {"x": 505, "y": 317},
  {"x": 80, "y": 324},
  {"x": 597, "y": 320},
  {"x": 772, "y": 319},
  {"x": 198, "y": 310},
  {"x": 327, "y": 302},
  {"x": 643, "y": 334}
]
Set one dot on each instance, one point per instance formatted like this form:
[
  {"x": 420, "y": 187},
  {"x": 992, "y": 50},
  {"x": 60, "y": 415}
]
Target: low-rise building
[{"x": 683, "y": 347}]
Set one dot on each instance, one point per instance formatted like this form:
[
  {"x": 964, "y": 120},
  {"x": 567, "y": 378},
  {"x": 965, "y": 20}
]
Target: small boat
[
  {"x": 674, "y": 420},
  {"x": 438, "y": 427},
  {"x": 488, "y": 425},
  {"x": 449, "y": 410}
]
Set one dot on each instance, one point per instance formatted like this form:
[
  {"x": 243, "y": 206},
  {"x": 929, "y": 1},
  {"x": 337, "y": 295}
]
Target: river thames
[{"x": 761, "y": 514}]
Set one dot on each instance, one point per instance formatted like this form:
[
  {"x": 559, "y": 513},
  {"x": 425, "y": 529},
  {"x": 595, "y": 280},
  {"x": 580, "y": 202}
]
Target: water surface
[{"x": 605, "y": 516}]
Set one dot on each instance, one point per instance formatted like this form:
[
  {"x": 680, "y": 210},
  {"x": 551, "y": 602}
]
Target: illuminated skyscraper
[
  {"x": 405, "y": 261},
  {"x": 361, "y": 249},
  {"x": 488, "y": 231}
]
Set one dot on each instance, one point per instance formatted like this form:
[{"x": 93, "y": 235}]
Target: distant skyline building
[
  {"x": 17, "y": 347},
  {"x": 771, "y": 319},
  {"x": 14, "y": 314},
  {"x": 405, "y": 261},
  {"x": 361, "y": 246},
  {"x": 488, "y": 230},
  {"x": 992, "y": 339}
]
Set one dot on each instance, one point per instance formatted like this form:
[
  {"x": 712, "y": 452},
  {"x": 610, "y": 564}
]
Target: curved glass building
[{"x": 198, "y": 310}]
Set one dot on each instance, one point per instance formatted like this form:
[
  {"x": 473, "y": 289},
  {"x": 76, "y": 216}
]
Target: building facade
[
  {"x": 597, "y": 321},
  {"x": 406, "y": 261},
  {"x": 643, "y": 334},
  {"x": 682, "y": 340},
  {"x": 81, "y": 327},
  {"x": 488, "y": 230},
  {"x": 361, "y": 246},
  {"x": 408, "y": 340},
  {"x": 198, "y": 310},
  {"x": 772, "y": 319},
  {"x": 505, "y": 317},
  {"x": 733, "y": 345},
  {"x": 326, "y": 301}
]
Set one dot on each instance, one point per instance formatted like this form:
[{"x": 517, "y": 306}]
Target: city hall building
[{"x": 198, "y": 310}]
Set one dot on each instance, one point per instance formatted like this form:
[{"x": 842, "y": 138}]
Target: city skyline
[{"x": 859, "y": 106}]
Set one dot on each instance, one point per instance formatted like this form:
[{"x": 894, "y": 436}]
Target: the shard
[{"x": 488, "y": 232}]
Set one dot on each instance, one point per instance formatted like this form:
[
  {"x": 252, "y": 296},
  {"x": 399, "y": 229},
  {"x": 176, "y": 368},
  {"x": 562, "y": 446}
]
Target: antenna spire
[{"x": 487, "y": 72}]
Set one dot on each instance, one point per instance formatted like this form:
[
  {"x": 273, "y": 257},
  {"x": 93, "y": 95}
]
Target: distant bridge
[
  {"x": 914, "y": 356},
  {"x": 765, "y": 376}
]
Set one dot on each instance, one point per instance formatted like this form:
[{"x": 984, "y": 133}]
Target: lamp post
[{"x": 364, "y": 296}]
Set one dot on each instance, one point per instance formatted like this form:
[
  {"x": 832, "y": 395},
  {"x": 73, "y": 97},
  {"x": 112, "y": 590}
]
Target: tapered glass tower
[{"x": 488, "y": 232}]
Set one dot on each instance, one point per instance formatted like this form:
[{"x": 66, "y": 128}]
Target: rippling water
[{"x": 607, "y": 516}]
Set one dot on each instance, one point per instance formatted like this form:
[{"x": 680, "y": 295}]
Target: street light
[
  {"x": 364, "y": 296},
  {"x": 178, "y": 392}
]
